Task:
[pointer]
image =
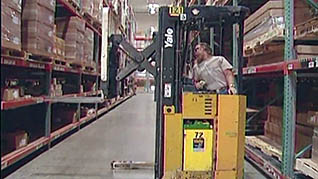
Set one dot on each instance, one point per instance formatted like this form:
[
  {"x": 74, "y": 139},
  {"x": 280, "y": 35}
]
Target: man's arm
[{"x": 230, "y": 81}]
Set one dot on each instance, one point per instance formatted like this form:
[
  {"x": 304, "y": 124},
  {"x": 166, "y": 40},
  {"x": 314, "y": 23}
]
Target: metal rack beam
[{"x": 289, "y": 108}]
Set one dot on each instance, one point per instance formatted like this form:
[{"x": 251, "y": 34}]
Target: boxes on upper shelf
[
  {"x": 267, "y": 24},
  {"x": 38, "y": 27},
  {"x": 89, "y": 45},
  {"x": 77, "y": 3},
  {"x": 11, "y": 24},
  {"x": 88, "y": 7},
  {"x": 72, "y": 30},
  {"x": 314, "y": 154},
  {"x": 306, "y": 51},
  {"x": 98, "y": 8}
]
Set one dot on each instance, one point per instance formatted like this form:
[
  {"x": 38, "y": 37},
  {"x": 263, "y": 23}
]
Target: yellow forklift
[{"x": 199, "y": 134}]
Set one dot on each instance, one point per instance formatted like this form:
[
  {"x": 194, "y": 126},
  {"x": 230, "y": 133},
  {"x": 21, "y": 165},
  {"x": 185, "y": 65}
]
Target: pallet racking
[
  {"x": 46, "y": 115},
  {"x": 276, "y": 83}
]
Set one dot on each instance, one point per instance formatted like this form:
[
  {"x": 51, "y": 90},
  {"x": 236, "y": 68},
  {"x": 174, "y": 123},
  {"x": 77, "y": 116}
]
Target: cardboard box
[
  {"x": 314, "y": 154},
  {"x": 11, "y": 24},
  {"x": 88, "y": 6},
  {"x": 49, "y": 4},
  {"x": 72, "y": 30},
  {"x": 275, "y": 8},
  {"x": 306, "y": 51},
  {"x": 11, "y": 94},
  {"x": 313, "y": 118},
  {"x": 97, "y": 12},
  {"x": 38, "y": 27},
  {"x": 268, "y": 23},
  {"x": 17, "y": 139},
  {"x": 37, "y": 12},
  {"x": 89, "y": 45},
  {"x": 60, "y": 47}
]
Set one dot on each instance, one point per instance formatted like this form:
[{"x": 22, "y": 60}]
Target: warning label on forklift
[{"x": 198, "y": 144}]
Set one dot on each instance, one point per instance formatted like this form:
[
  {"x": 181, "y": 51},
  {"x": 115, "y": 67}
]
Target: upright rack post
[
  {"x": 234, "y": 55},
  {"x": 48, "y": 77},
  {"x": 289, "y": 112}
]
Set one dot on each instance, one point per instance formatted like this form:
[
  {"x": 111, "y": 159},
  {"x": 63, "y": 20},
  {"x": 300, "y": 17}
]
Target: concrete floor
[{"x": 125, "y": 133}]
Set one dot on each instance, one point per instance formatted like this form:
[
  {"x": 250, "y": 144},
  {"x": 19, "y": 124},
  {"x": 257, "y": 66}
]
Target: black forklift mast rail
[{"x": 199, "y": 17}]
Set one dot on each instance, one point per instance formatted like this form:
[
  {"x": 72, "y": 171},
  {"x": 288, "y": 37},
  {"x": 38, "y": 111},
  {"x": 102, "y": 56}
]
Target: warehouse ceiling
[{"x": 143, "y": 18}]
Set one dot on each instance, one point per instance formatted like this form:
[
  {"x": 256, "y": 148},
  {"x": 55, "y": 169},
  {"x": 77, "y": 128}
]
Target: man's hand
[
  {"x": 232, "y": 90},
  {"x": 200, "y": 84}
]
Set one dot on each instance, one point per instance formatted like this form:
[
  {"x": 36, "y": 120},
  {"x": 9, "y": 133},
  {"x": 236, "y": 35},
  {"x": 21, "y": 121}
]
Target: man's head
[{"x": 202, "y": 51}]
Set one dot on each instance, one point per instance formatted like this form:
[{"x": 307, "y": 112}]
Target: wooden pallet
[
  {"x": 93, "y": 21},
  {"x": 75, "y": 5},
  {"x": 273, "y": 36},
  {"x": 40, "y": 58},
  {"x": 75, "y": 64},
  {"x": 307, "y": 30},
  {"x": 8, "y": 52},
  {"x": 97, "y": 25},
  {"x": 59, "y": 61},
  {"x": 89, "y": 66},
  {"x": 265, "y": 145},
  {"x": 307, "y": 167},
  {"x": 263, "y": 49},
  {"x": 88, "y": 17}
]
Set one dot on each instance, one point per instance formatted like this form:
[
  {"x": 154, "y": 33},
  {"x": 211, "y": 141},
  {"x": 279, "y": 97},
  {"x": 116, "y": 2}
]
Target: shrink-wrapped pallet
[
  {"x": 72, "y": 30},
  {"x": 98, "y": 8},
  {"x": 89, "y": 45},
  {"x": 267, "y": 24},
  {"x": 11, "y": 24},
  {"x": 38, "y": 27},
  {"x": 88, "y": 7}
]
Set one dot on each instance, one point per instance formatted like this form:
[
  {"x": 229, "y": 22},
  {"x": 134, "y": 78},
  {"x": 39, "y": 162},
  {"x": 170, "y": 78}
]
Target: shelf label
[
  {"x": 4, "y": 165},
  {"x": 39, "y": 146},
  {"x": 311, "y": 64},
  {"x": 9, "y": 62},
  {"x": 57, "y": 136},
  {"x": 40, "y": 66},
  {"x": 57, "y": 68},
  {"x": 290, "y": 66},
  {"x": 251, "y": 70},
  {"x": 167, "y": 93},
  {"x": 41, "y": 100}
]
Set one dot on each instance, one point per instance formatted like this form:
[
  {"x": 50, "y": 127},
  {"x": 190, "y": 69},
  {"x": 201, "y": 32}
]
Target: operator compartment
[{"x": 213, "y": 135}]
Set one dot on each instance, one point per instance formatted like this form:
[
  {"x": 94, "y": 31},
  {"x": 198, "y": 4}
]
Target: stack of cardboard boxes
[
  {"x": 274, "y": 128},
  {"x": 88, "y": 7},
  {"x": 72, "y": 31},
  {"x": 267, "y": 25},
  {"x": 38, "y": 27},
  {"x": 59, "y": 46},
  {"x": 89, "y": 46},
  {"x": 56, "y": 89},
  {"x": 98, "y": 9},
  {"x": 313, "y": 120},
  {"x": 11, "y": 24}
]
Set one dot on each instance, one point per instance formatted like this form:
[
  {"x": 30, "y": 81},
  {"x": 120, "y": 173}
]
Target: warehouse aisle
[{"x": 125, "y": 133}]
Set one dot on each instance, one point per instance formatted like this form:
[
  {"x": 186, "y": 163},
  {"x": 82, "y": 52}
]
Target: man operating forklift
[
  {"x": 198, "y": 134},
  {"x": 212, "y": 73}
]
